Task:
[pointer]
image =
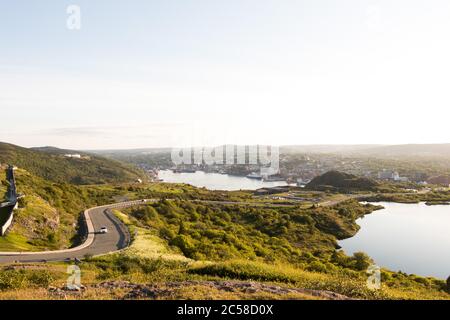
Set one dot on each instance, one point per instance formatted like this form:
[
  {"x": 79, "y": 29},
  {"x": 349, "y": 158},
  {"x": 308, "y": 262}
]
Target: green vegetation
[
  {"x": 51, "y": 164},
  {"x": 168, "y": 279},
  {"x": 432, "y": 197},
  {"x": 178, "y": 247},
  {"x": 11, "y": 278},
  {"x": 147, "y": 244},
  {"x": 448, "y": 284},
  {"x": 300, "y": 253},
  {"x": 192, "y": 236},
  {"x": 352, "y": 285},
  {"x": 208, "y": 231},
  {"x": 49, "y": 212},
  {"x": 339, "y": 181}
]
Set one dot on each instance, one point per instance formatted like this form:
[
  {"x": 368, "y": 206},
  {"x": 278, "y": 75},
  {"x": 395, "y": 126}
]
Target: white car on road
[{"x": 103, "y": 230}]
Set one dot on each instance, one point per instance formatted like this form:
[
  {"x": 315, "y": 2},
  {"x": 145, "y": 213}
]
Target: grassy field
[{"x": 147, "y": 244}]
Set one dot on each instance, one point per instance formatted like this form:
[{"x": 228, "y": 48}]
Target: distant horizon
[
  {"x": 211, "y": 146},
  {"x": 280, "y": 146}
]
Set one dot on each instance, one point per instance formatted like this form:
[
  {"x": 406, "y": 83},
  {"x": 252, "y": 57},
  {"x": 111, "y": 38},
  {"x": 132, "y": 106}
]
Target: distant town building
[
  {"x": 388, "y": 175},
  {"x": 77, "y": 156},
  {"x": 391, "y": 175}
]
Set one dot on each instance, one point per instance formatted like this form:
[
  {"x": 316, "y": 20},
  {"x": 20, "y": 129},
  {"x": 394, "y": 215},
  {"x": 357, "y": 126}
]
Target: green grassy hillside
[
  {"x": 197, "y": 244},
  {"x": 51, "y": 164},
  {"x": 48, "y": 215},
  {"x": 341, "y": 181}
]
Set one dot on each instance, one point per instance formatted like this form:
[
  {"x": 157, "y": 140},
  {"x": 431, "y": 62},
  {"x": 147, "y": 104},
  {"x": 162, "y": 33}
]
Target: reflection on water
[
  {"x": 216, "y": 181},
  {"x": 413, "y": 238}
]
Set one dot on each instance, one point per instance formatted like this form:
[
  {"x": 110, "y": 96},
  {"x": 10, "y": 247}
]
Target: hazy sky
[{"x": 144, "y": 73}]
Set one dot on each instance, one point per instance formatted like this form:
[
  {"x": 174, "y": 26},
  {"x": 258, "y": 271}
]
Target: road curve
[
  {"x": 95, "y": 244},
  {"x": 117, "y": 238}
]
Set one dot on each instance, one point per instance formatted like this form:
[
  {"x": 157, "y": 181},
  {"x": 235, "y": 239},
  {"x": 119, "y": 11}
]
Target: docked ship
[
  {"x": 254, "y": 175},
  {"x": 184, "y": 170}
]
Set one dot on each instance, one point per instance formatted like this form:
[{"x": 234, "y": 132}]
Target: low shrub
[{"x": 18, "y": 279}]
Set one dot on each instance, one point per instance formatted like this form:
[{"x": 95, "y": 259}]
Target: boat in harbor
[
  {"x": 184, "y": 170},
  {"x": 254, "y": 175}
]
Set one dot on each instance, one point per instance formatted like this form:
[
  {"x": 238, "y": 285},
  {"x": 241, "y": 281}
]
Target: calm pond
[{"x": 413, "y": 238}]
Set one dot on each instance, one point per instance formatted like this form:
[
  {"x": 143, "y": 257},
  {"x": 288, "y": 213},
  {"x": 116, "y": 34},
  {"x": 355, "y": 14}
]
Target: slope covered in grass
[
  {"x": 47, "y": 217},
  {"x": 341, "y": 181},
  {"x": 51, "y": 164}
]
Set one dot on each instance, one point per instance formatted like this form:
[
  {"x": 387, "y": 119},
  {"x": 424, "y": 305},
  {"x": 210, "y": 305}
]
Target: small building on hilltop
[{"x": 389, "y": 175}]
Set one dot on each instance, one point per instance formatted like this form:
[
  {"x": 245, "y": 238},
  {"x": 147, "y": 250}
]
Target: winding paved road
[{"x": 117, "y": 238}]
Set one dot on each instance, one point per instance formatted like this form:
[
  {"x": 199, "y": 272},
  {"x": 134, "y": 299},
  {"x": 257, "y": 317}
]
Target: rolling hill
[
  {"x": 341, "y": 181},
  {"x": 47, "y": 217},
  {"x": 51, "y": 164}
]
